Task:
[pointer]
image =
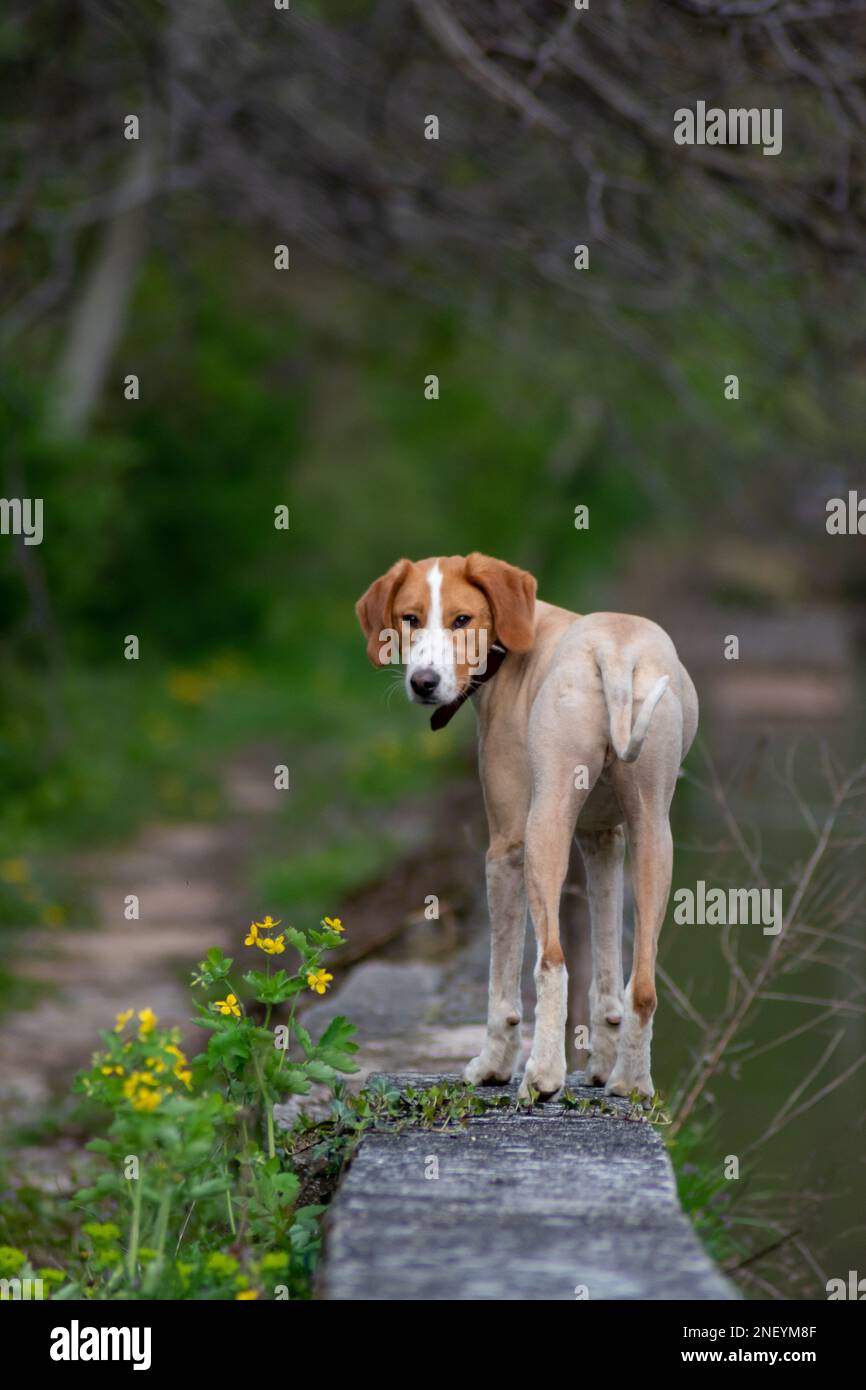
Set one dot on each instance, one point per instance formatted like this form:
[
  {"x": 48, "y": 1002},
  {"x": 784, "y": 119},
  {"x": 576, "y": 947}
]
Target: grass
[{"x": 738, "y": 1224}]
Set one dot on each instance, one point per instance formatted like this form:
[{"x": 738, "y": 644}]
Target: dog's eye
[
  {"x": 462, "y": 620},
  {"x": 411, "y": 619}
]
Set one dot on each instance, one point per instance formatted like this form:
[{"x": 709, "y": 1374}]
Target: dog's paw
[
  {"x": 622, "y": 1084},
  {"x": 603, "y": 1047},
  {"x": 547, "y": 1079},
  {"x": 486, "y": 1071}
]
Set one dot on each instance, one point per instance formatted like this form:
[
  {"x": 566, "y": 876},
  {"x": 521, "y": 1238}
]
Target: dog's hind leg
[
  {"x": 556, "y": 803},
  {"x": 603, "y": 852},
  {"x": 645, "y": 791},
  {"x": 651, "y": 848}
]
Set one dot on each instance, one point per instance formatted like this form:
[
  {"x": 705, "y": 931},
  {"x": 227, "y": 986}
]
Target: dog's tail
[{"x": 617, "y": 682}]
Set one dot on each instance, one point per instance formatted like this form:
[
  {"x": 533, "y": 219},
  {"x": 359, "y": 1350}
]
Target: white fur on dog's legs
[
  {"x": 605, "y": 1034},
  {"x": 506, "y": 898},
  {"x": 632, "y": 1070},
  {"x": 545, "y": 1069},
  {"x": 603, "y": 852},
  {"x": 553, "y": 812},
  {"x": 497, "y": 1061},
  {"x": 652, "y": 859}
]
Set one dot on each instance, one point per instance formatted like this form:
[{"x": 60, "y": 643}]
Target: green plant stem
[
  {"x": 162, "y": 1224},
  {"x": 272, "y": 1148},
  {"x": 269, "y": 1114},
  {"x": 135, "y": 1233}
]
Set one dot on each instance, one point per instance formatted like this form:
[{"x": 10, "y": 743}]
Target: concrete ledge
[{"x": 526, "y": 1206}]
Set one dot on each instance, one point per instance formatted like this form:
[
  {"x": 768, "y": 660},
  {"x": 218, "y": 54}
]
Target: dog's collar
[{"x": 445, "y": 713}]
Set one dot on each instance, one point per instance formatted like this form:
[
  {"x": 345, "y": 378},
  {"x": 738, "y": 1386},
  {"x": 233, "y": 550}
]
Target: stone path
[
  {"x": 189, "y": 880},
  {"x": 547, "y": 1205},
  {"x": 116, "y": 964}
]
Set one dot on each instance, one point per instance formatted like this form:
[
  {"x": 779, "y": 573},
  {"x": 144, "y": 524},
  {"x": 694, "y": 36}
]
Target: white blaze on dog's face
[
  {"x": 447, "y": 612},
  {"x": 445, "y": 625}
]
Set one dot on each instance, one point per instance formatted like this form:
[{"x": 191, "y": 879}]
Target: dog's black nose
[{"x": 424, "y": 682}]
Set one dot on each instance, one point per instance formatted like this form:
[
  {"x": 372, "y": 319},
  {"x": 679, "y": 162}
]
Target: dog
[{"x": 583, "y": 722}]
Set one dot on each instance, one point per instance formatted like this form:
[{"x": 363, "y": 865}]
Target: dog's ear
[
  {"x": 511, "y": 594},
  {"x": 374, "y": 608}
]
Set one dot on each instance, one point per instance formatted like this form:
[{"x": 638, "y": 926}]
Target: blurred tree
[{"x": 556, "y": 128}]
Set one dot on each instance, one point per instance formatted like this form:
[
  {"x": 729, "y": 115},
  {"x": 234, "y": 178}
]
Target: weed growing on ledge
[{"x": 196, "y": 1199}]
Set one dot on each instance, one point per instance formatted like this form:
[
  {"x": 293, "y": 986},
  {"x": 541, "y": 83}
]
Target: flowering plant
[{"x": 198, "y": 1195}]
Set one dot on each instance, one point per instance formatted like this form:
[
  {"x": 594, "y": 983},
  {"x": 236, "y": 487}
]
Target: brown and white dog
[{"x": 583, "y": 723}]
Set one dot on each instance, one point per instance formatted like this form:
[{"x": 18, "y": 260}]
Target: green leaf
[
  {"x": 286, "y": 1185},
  {"x": 211, "y": 1188},
  {"x": 335, "y": 1046},
  {"x": 99, "y": 1146},
  {"x": 338, "y": 1033},
  {"x": 308, "y": 1215},
  {"x": 295, "y": 1080},
  {"x": 328, "y": 940},
  {"x": 340, "y": 1061},
  {"x": 318, "y": 1070},
  {"x": 297, "y": 939},
  {"x": 272, "y": 989},
  {"x": 230, "y": 1047}
]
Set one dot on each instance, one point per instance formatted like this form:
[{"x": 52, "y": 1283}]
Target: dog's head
[{"x": 440, "y": 617}]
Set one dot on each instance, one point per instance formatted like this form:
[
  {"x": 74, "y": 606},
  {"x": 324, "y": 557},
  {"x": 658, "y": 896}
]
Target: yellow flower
[
  {"x": 333, "y": 924},
  {"x": 272, "y": 945},
  {"x": 181, "y": 1066},
  {"x": 14, "y": 871},
  {"x": 228, "y": 1006},
  {"x": 140, "y": 1090},
  {"x": 267, "y": 924},
  {"x": 122, "y": 1020},
  {"x": 318, "y": 980},
  {"x": 112, "y": 1071},
  {"x": 148, "y": 1020},
  {"x": 146, "y": 1100},
  {"x": 245, "y": 1295}
]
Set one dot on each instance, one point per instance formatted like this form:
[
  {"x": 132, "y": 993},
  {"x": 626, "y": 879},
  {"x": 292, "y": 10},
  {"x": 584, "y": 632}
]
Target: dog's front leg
[{"x": 506, "y": 899}]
